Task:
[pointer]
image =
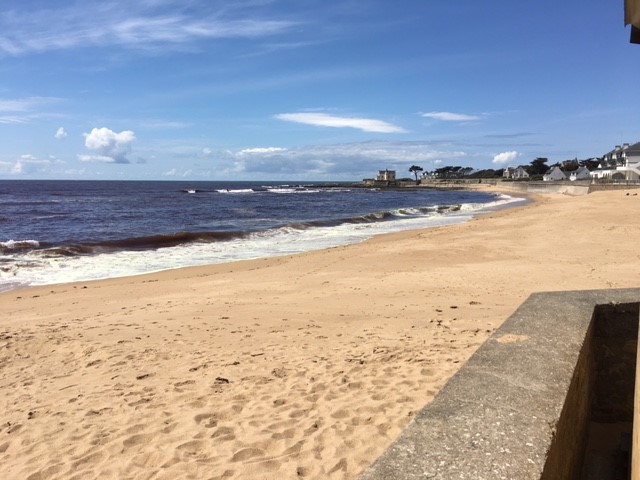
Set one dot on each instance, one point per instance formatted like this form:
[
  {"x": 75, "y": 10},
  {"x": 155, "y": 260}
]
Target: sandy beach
[{"x": 305, "y": 366}]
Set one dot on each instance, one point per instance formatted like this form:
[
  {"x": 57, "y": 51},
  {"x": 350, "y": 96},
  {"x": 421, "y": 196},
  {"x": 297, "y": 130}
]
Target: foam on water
[{"x": 36, "y": 268}]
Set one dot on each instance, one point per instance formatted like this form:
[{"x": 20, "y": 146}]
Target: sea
[{"x": 69, "y": 231}]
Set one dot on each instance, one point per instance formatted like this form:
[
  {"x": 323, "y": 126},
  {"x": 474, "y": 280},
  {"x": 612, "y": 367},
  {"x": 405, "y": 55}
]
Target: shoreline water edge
[
  {"x": 87, "y": 251},
  {"x": 297, "y": 366}
]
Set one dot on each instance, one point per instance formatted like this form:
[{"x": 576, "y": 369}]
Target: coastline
[
  {"x": 299, "y": 220},
  {"x": 303, "y": 366}
]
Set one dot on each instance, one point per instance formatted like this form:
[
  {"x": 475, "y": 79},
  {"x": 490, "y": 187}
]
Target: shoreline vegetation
[{"x": 304, "y": 366}]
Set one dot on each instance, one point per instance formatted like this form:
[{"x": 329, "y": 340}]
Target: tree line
[{"x": 536, "y": 168}]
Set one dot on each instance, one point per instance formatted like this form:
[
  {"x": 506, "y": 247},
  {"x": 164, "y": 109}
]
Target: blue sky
[{"x": 306, "y": 89}]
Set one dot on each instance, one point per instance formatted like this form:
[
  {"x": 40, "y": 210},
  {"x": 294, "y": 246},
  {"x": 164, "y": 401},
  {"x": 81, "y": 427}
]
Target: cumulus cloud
[
  {"x": 451, "y": 117},
  {"x": 29, "y": 164},
  {"x": 207, "y": 152},
  {"x": 110, "y": 146},
  {"x": 61, "y": 134},
  {"x": 325, "y": 120},
  {"x": 505, "y": 157}
]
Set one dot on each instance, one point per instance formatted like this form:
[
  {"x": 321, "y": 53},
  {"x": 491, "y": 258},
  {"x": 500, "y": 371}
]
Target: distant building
[
  {"x": 582, "y": 173},
  {"x": 386, "y": 176},
  {"x": 515, "y": 173},
  {"x": 621, "y": 163},
  {"x": 554, "y": 175}
]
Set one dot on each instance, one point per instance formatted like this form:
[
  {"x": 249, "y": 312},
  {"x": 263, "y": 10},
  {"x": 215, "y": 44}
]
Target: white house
[
  {"x": 517, "y": 173},
  {"x": 582, "y": 173},
  {"x": 520, "y": 173},
  {"x": 629, "y": 158},
  {"x": 621, "y": 163},
  {"x": 554, "y": 175}
]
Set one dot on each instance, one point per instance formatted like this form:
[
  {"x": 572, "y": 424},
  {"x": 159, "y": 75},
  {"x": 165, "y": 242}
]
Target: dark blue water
[{"x": 46, "y": 225}]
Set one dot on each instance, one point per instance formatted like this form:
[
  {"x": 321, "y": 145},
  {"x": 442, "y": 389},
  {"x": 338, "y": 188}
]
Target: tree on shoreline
[
  {"x": 538, "y": 166},
  {"x": 415, "y": 169}
]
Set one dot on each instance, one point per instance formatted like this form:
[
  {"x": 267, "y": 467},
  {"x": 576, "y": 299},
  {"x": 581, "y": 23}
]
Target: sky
[{"x": 304, "y": 90}]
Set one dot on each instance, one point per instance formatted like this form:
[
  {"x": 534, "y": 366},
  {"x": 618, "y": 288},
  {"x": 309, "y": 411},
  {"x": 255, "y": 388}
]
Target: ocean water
[{"x": 65, "y": 231}]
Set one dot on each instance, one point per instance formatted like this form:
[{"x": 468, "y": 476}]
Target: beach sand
[{"x": 305, "y": 366}]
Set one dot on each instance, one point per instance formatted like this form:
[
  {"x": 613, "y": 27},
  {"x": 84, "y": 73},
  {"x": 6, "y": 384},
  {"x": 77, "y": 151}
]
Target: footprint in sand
[
  {"x": 138, "y": 439},
  {"x": 138, "y": 427},
  {"x": 192, "y": 448},
  {"x": 184, "y": 383},
  {"x": 314, "y": 428},
  {"x": 297, "y": 413},
  {"x": 169, "y": 428},
  {"x": 210, "y": 419},
  {"x": 89, "y": 460},
  {"x": 340, "y": 466},
  {"x": 288, "y": 433},
  {"x": 224, "y": 434},
  {"x": 338, "y": 414},
  {"x": 247, "y": 454},
  {"x": 45, "y": 473}
]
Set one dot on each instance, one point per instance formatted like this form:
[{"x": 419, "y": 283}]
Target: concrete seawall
[
  {"x": 566, "y": 188},
  {"x": 536, "y": 401},
  {"x": 547, "y": 188},
  {"x": 542, "y": 188}
]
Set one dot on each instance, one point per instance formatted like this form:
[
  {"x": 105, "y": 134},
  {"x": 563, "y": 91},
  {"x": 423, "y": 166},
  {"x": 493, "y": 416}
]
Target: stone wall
[{"x": 528, "y": 401}]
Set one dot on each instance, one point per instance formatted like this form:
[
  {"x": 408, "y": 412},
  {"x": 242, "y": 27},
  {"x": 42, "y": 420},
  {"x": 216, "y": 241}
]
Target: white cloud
[
  {"x": 23, "y": 104},
  {"x": 111, "y": 147},
  {"x": 505, "y": 157},
  {"x": 141, "y": 25},
  {"x": 61, "y": 134},
  {"x": 451, "y": 117},
  {"x": 97, "y": 159},
  {"x": 162, "y": 125},
  {"x": 348, "y": 161},
  {"x": 18, "y": 168},
  {"x": 174, "y": 172},
  {"x": 207, "y": 152},
  {"x": 76, "y": 172},
  {"x": 29, "y": 164},
  {"x": 261, "y": 150},
  {"x": 325, "y": 120},
  {"x": 12, "y": 119},
  {"x": 23, "y": 110}
]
